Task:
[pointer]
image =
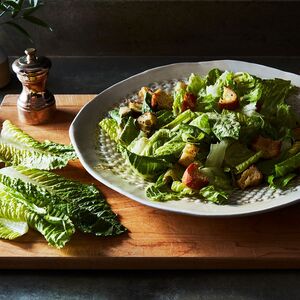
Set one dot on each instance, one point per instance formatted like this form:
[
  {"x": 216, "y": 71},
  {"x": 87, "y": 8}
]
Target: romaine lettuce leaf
[
  {"x": 178, "y": 99},
  {"x": 217, "y": 177},
  {"x": 281, "y": 182},
  {"x": 164, "y": 117},
  {"x": 202, "y": 122},
  {"x": 161, "y": 191},
  {"x": 146, "y": 166},
  {"x": 195, "y": 84},
  {"x": 248, "y": 87},
  {"x": 83, "y": 204},
  {"x": 147, "y": 103},
  {"x": 212, "y": 194},
  {"x": 10, "y": 230},
  {"x": 173, "y": 147},
  {"x": 18, "y": 148},
  {"x": 216, "y": 154},
  {"x": 53, "y": 225},
  {"x": 227, "y": 126},
  {"x": 239, "y": 157},
  {"x": 210, "y": 96},
  {"x": 179, "y": 187},
  {"x": 212, "y": 76},
  {"x": 287, "y": 166},
  {"x": 189, "y": 133},
  {"x": 110, "y": 127},
  {"x": 183, "y": 118},
  {"x": 129, "y": 132}
]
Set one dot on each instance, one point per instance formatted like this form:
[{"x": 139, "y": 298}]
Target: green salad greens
[
  {"x": 31, "y": 197},
  {"x": 211, "y": 135}
]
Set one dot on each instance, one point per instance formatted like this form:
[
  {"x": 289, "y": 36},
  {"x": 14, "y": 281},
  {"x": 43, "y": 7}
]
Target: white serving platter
[{"x": 100, "y": 158}]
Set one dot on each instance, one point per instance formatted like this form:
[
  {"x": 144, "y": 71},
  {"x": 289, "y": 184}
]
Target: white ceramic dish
[{"x": 100, "y": 159}]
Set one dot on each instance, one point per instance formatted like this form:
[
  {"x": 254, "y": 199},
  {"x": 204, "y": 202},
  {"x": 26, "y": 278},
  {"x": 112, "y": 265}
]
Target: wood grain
[{"x": 156, "y": 239}]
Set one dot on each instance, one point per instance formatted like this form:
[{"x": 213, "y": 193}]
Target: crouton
[
  {"x": 188, "y": 155},
  {"x": 189, "y": 102},
  {"x": 143, "y": 91},
  {"x": 124, "y": 111},
  {"x": 147, "y": 121},
  {"x": 161, "y": 100},
  {"x": 296, "y": 134},
  {"x": 250, "y": 177},
  {"x": 193, "y": 178},
  {"x": 229, "y": 100},
  {"x": 135, "y": 106},
  {"x": 270, "y": 148},
  {"x": 180, "y": 86}
]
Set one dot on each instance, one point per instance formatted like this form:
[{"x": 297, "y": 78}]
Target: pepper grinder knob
[
  {"x": 36, "y": 104},
  {"x": 30, "y": 55}
]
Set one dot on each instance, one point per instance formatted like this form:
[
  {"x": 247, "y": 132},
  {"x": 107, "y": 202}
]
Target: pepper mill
[{"x": 36, "y": 104}]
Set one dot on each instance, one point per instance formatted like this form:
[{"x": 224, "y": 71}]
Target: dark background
[
  {"x": 199, "y": 28},
  {"x": 97, "y": 43}
]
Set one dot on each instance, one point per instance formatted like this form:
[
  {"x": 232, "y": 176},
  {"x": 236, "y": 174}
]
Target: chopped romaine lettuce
[{"x": 222, "y": 137}]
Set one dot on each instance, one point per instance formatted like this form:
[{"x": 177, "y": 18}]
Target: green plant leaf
[
  {"x": 20, "y": 29},
  {"x": 34, "y": 3},
  {"x": 30, "y": 10},
  {"x": 37, "y": 21}
]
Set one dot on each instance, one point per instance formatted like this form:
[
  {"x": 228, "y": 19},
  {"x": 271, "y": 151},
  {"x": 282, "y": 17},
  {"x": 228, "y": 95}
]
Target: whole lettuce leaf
[
  {"x": 52, "y": 224},
  {"x": 83, "y": 204},
  {"x": 19, "y": 148}
]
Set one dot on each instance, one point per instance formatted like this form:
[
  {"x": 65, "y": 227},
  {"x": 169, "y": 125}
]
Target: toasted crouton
[
  {"x": 188, "y": 155},
  {"x": 229, "y": 99},
  {"x": 193, "y": 178},
  {"x": 135, "y": 106},
  {"x": 143, "y": 91},
  {"x": 161, "y": 100},
  {"x": 270, "y": 148},
  {"x": 189, "y": 102},
  {"x": 250, "y": 177},
  {"x": 147, "y": 121}
]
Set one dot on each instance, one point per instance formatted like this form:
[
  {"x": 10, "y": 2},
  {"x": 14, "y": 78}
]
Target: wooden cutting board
[{"x": 156, "y": 239}]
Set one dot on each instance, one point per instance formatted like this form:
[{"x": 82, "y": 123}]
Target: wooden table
[{"x": 156, "y": 239}]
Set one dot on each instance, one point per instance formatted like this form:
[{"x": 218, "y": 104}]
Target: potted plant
[{"x": 15, "y": 13}]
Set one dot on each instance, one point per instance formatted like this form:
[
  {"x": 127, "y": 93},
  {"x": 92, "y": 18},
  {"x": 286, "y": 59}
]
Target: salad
[{"x": 210, "y": 136}]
